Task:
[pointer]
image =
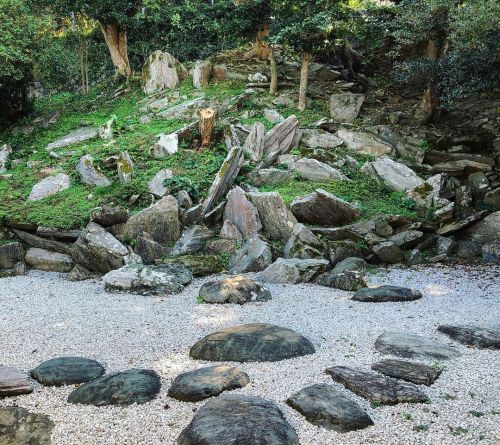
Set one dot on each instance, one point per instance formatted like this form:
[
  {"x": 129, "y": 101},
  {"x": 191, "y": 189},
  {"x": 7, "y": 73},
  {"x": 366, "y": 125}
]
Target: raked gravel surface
[{"x": 43, "y": 316}]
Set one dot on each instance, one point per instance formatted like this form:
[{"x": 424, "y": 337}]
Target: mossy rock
[{"x": 200, "y": 265}]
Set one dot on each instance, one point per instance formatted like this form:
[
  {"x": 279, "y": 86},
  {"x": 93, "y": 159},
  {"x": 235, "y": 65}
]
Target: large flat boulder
[
  {"x": 13, "y": 382},
  {"x": 477, "y": 336},
  {"x": 386, "y": 293},
  {"x": 75, "y": 137},
  {"x": 315, "y": 138},
  {"x": 377, "y": 388},
  {"x": 162, "y": 70},
  {"x": 394, "y": 175},
  {"x": 324, "y": 209},
  {"x": 314, "y": 170},
  {"x": 417, "y": 373},
  {"x": 344, "y": 107},
  {"x": 238, "y": 419},
  {"x": 18, "y": 426},
  {"x": 67, "y": 371},
  {"x": 257, "y": 342},
  {"x": 41, "y": 243},
  {"x": 207, "y": 382},
  {"x": 364, "y": 143},
  {"x": 414, "y": 347},
  {"x": 49, "y": 186},
  {"x": 326, "y": 406},
  {"x": 237, "y": 289},
  {"x": 41, "y": 259}
]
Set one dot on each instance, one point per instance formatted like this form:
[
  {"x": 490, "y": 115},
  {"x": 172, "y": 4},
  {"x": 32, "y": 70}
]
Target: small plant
[
  {"x": 421, "y": 428},
  {"x": 407, "y": 416}
]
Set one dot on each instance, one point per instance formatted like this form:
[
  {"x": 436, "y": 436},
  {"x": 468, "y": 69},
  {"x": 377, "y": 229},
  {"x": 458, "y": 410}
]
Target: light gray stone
[
  {"x": 162, "y": 70},
  {"x": 88, "y": 173},
  {"x": 5, "y": 151},
  {"x": 156, "y": 185},
  {"x": 364, "y": 143},
  {"x": 49, "y": 186},
  {"x": 255, "y": 255},
  {"x": 125, "y": 167},
  {"x": 242, "y": 213},
  {"x": 167, "y": 144},
  {"x": 394, "y": 175},
  {"x": 202, "y": 71},
  {"x": 75, "y": 137},
  {"x": 42, "y": 259},
  {"x": 344, "y": 107},
  {"x": 293, "y": 270},
  {"x": 13, "y": 382},
  {"x": 320, "y": 139},
  {"x": 192, "y": 240},
  {"x": 314, "y": 170},
  {"x": 254, "y": 143}
]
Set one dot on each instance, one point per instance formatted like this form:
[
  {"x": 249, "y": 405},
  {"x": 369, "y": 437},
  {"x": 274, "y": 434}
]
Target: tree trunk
[
  {"x": 273, "y": 88},
  {"x": 116, "y": 39},
  {"x": 260, "y": 47},
  {"x": 207, "y": 120},
  {"x": 304, "y": 76}
]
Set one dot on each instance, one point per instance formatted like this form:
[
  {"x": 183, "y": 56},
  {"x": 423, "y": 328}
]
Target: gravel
[{"x": 44, "y": 316}]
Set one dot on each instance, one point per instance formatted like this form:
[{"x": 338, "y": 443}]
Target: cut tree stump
[{"x": 207, "y": 121}]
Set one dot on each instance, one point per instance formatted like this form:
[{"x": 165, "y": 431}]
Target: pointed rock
[
  {"x": 162, "y": 70},
  {"x": 255, "y": 255},
  {"x": 254, "y": 144},
  {"x": 88, "y": 173},
  {"x": 242, "y": 213},
  {"x": 125, "y": 167},
  {"x": 193, "y": 240}
]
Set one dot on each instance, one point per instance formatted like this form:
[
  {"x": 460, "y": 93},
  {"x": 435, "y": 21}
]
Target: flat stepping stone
[
  {"x": 414, "y": 346},
  {"x": 13, "y": 382},
  {"x": 257, "y": 342},
  {"x": 382, "y": 294},
  {"x": 417, "y": 373},
  {"x": 18, "y": 426},
  {"x": 67, "y": 371},
  {"x": 324, "y": 405},
  {"x": 207, "y": 382},
  {"x": 377, "y": 388},
  {"x": 119, "y": 388},
  {"x": 477, "y": 336},
  {"x": 238, "y": 289},
  {"x": 234, "y": 419}
]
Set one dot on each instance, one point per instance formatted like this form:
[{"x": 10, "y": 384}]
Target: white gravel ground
[{"x": 43, "y": 316}]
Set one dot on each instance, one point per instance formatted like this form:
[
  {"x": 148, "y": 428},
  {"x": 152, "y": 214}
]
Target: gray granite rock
[
  {"x": 49, "y": 186},
  {"x": 242, "y": 213},
  {"x": 192, "y": 240},
  {"x": 303, "y": 244},
  {"x": 75, "y": 137},
  {"x": 89, "y": 175},
  {"x": 314, "y": 138},
  {"x": 382, "y": 294},
  {"x": 477, "y": 336},
  {"x": 255, "y": 255},
  {"x": 314, "y": 170},
  {"x": 107, "y": 216},
  {"x": 254, "y": 143},
  {"x": 417, "y": 373},
  {"x": 389, "y": 252},
  {"x": 344, "y": 107},
  {"x": 293, "y": 270},
  {"x": 364, "y": 143},
  {"x": 157, "y": 185},
  {"x": 348, "y": 275},
  {"x": 161, "y": 71},
  {"x": 237, "y": 289},
  {"x": 41, "y": 259},
  {"x": 67, "y": 371}
]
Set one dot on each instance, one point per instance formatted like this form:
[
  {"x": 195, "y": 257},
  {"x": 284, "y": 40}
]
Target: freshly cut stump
[
  {"x": 238, "y": 289},
  {"x": 417, "y": 373},
  {"x": 13, "y": 382},
  {"x": 377, "y": 388},
  {"x": 382, "y": 294},
  {"x": 414, "y": 346},
  {"x": 19, "y": 426},
  {"x": 207, "y": 382},
  {"x": 477, "y": 336},
  {"x": 324, "y": 405},
  {"x": 67, "y": 371},
  {"x": 120, "y": 388},
  {"x": 234, "y": 419},
  {"x": 257, "y": 342}
]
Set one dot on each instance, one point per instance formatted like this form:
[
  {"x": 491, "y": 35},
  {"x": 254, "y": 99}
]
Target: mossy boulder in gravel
[
  {"x": 207, "y": 382},
  {"x": 18, "y": 426},
  {"x": 199, "y": 265},
  {"x": 238, "y": 419},
  {"x": 257, "y": 342},
  {"x": 326, "y": 406},
  {"x": 67, "y": 371},
  {"x": 477, "y": 336},
  {"x": 348, "y": 275},
  {"x": 238, "y": 289},
  {"x": 119, "y": 388},
  {"x": 386, "y": 293},
  {"x": 417, "y": 373}
]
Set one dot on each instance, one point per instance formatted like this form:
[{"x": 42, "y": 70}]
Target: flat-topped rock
[
  {"x": 237, "y": 419},
  {"x": 414, "y": 346},
  {"x": 49, "y": 186},
  {"x": 13, "y": 382},
  {"x": 377, "y": 388},
  {"x": 238, "y": 289},
  {"x": 417, "y": 373},
  {"x": 477, "y": 336},
  {"x": 293, "y": 270},
  {"x": 207, "y": 382},
  {"x": 119, "y": 388},
  {"x": 256, "y": 342},
  {"x": 67, "y": 371},
  {"x": 386, "y": 293},
  {"x": 18, "y": 426},
  {"x": 75, "y": 137},
  {"x": 324, "y": 405},
  {"x": 41, "y": 259}
]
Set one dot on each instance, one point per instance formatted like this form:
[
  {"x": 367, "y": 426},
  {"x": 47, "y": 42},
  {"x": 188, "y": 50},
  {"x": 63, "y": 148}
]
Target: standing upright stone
[
  {"x": 88, "y": 173},
  {"x": 162, "y": 70},
  {"x": 279, "y": 140},
  {"x": 254, "y": 144},
  {"x": 5, "y": 151},
  {"x": 242, "y": 213},
  {"x": 125, "y": 167},
  {"x": 202, "y": 72}
]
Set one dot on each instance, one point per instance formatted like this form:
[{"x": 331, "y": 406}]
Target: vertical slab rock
[
  {"x": 242, "y": 213},
  {"x": 276, "y": 219},
  {"x": 162, "y": 70},
  {"x": 344, "y": 107},
  {"x": 125, "y": 167},
  {"x": 202, "y": 72},
  {"x": 5, "y": 151},
  {"x": 160, "y": 220},
  {"x": 89, "y": 175},
  {"x": 279, "y": 140},
  {"x": 254, "y": 143}
]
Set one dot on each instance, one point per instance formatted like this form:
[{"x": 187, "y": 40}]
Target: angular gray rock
[
  {"x": 320, "y": 139},
  {"x": 344, "y": 107},
  {"x": 477, "y": 336},
  {"x": 407, "y": 238},
  {"x": 184, "y": 110},
  {"x": 242, "y": 213},
  {"x": 293, "y": 270},
  {"x": 67, "y": 371},
  {"x": 80, "y": 273},
  {"x": 202, "y": 71},
  {"x": 75, "y": 137},
  {"x": 41, "y": 259},
  {"x": 88, "y": 173},
  {"x": 326, "y": 406},
  {"x": 254, "y": 143},
  {"x": 207, "y": 382},
  {"x": 417, "y": 373},
  {"x": 377, "y": 388},
  {"x": 157, "y": 185},
  {"x": 279, "y": 140},
  {"x": 303, "y": 244},
  {"x": 107, "y": 216},
  {"x": 13, "y": 383},
  {"x": 160, "y": 220},
  {"x": 237, "y": 289},
  {"x": 162, "y": 70},
  {"x": 119, "y": 388},
  {"x": 273, "y": 116},
  {"x": 238, "y": 419},
  {"x": 49, "y": 186},
  {"x": 19, "y": 426},
  {"x": 340, "y": 250},
  {"x": 428, "y": 194},
  {"x": 348, "y": 275},
  {"x": 148, "y": 280},
  {"x": 364, "y": 143},
  {"x": 10, "y": 254},
  {"x": 5, "y": 151},
  {"x": 386, "y": 293},
  {"x": 167, "y": 144},
  {"x": 490, "y": 252},
  {"x": 389, "y": 252},
  {"x": 314, "y": 170},
  {"x": 230, "y": 231},
  {"x": 255, "y": 255},
  {"x": 277, "y": 221},
  {"x": 125, "y": 167},
  {"x": 484, "y": 231},
  {"x": 98, "y": 250},
  {"x": 271, "y": 176},
  {"x": 394, "y": 175},
  {"x": 192, "y": 240},
  {"x": 414, "y": 346},
  {"x": 324, "y": 209},
  {"x": 257, "y": 342},
  {"x": 148, "y": 249}
]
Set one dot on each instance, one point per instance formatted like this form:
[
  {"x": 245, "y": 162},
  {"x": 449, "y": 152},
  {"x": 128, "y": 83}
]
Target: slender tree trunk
[
  {"x": 273, "y": 88},
  {"x": 116, "y": 39},
  {"x": 304, "y": 76}
]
